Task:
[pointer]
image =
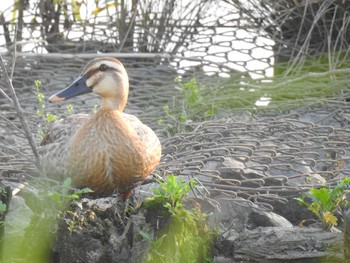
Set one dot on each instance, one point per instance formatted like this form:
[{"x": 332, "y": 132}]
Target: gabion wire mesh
[{"x": 261, "y": 157}]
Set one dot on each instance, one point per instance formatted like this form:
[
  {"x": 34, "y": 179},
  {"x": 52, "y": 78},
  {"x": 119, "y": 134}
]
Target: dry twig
[{"x": 8, "y": 82}]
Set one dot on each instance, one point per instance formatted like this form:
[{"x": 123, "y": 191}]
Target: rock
[
  {"x": 139, "y": 245},
  {"x": 220, "y": 259},
  {"x": 144, "y": 191},
  {"x": 259, "y": 218},
  {"x": 267, "y": 244},
  {"x": 238, "y": 214},
  {"x": 17, "y": 220},
  {"x": 18, "y": 216},
  {"x": 293, "y": 211},
  {"x": 231, "y": 213},
  {"x": 230, "y": 162},
  {"x": 101, "y": 230},
  {"x": 95, "y": 233}
]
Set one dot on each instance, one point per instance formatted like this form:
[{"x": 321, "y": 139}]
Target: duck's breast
[{"x": 111, "y": 152}]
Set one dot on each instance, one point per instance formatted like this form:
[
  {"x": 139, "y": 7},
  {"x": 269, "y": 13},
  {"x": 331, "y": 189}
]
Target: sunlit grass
[{"x": 315, "y": 82}]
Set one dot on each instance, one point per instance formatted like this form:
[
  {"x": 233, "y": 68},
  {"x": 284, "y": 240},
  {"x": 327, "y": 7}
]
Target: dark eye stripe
[
  {"x": 94, "y": 71},
  {"x": 91, "y": 72}
]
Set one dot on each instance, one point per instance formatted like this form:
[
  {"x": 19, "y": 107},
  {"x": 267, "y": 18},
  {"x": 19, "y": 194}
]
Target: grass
[
  {"x": 284, "y": 93},
  {"x": 197, "y": 101},
  {"x": 313, "y": 83}
]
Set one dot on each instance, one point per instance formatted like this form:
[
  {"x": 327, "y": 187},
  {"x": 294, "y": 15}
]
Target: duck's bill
[{"x": 77, "y": 88}]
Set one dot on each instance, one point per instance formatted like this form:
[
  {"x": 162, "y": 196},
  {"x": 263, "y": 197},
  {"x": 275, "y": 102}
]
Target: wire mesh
[{"x": 260, "y": 155}]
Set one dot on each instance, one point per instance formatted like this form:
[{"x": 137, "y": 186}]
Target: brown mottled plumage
[{"x": 109, "y": 150}]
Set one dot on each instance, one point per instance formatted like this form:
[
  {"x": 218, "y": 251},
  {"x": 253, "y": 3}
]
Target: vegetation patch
[
  {"x": 192, "y": 106},
  {"x": 314, "y": 83},
  {"x": 185, "y": 237},
  {"x": 48, "y": 206},
  {"x": 326, "y": 202},
  {"x": 46, "y": 117}
]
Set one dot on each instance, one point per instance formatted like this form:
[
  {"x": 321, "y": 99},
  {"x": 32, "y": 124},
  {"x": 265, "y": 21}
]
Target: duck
[{"x": 108, "y": 151}]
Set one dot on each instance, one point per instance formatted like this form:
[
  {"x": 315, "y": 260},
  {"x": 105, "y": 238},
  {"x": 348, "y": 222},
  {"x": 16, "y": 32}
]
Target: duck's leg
[{"x": 126, "y": 195}]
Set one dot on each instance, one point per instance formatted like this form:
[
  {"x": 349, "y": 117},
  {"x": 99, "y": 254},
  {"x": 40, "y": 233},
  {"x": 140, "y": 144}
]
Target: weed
[
  {"x": 325, "y": 202},
  {"x": 191, "y": 90},
  {"x": 64, "y": 197},
  {"x": 69, "y": 110},
  {"x": 171, "y": 193},
  {"x": 41, "y": 104},
  {"x": 186, "y": 236},
  {"x": 193, "y": 107},
  {"x": 46, "y": 117}
]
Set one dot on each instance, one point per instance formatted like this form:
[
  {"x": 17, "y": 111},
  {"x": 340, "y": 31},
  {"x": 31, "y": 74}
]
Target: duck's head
[{"x": 105, "y": 76}]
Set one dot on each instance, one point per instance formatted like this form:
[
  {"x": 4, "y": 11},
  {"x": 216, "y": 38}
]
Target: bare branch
[
  {"x": 8, "y": 82},
  {"x": 3, "y": 93},
  {"x": 14, "y": 52}
]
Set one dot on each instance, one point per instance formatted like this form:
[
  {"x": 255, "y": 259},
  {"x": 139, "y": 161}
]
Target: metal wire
[{"x": 263, "y": 157}]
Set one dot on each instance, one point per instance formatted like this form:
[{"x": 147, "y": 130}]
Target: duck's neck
[{"x": 112, "y": 104}]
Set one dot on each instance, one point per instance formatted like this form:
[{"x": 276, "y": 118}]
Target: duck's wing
[
  {"x": 147, "y": 137},
  {"x": 144, "y": 132},
  {"x": 64, "y": 128},
  {"x": 54, "y": 146}
]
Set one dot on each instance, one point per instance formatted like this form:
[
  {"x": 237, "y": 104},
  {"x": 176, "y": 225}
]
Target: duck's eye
[{"x": 103, "y": 67}]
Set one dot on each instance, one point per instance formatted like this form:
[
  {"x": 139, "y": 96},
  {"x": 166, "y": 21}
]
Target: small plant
[
  {"x": 78, "y": 219},
  {"x": 186, "y": 236},
  {"x": 191, "y": 91},
  {"x": 69, "y": 109},
  {"x": 46, "y": 117},
  {"x": 198, "y": 105},
  {"x": 171, "y": 193},
  {"x": 325, "y": 202},
  {"x": 64, "y": 197},
  {"x": 3, "y": 206},
  {"x": 41, "y": 102},
  {"x": 194, "y": 107}
]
